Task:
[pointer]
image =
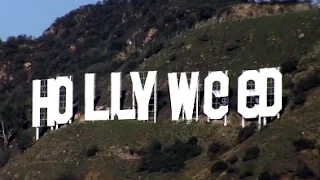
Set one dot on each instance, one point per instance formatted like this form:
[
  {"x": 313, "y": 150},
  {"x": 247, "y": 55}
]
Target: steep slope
[
  {"x": 232, "y": 46},
  {"x": 235, "y": 46},
  {"x": 101, "y": 38},
  {"x": 288, "y": 148},
  {"x": 98, "y": 38},
  {"x": 62, "y": 151}
]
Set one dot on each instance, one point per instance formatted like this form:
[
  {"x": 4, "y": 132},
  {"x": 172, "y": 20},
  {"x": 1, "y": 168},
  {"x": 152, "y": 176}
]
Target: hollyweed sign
[{"x": 259, "y": 95}]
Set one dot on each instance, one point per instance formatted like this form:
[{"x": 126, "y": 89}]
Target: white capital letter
[
  {"x": 182, "y": 95},
  {"x": 90, "y": 113},
  {"x": 39, "y": 102},
  {"x": 115, "y": 99},
  {"x": 143, "y": 94}
]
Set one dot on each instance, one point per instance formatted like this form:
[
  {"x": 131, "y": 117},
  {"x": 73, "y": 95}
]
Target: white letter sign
[
  {"x": 65, "y": 83},
  {"x": 143, "y": 95},
  {"x": 46, "y": 94},
  {"x": 254, "y": 84},
  {"x": 43, "y": 95},
  {"x": 271, "y": 80},
  {"x": 115, "y": 99},
  {"x": 248, "y": 88},
  {"x": 221, "y": 79},
  {"x": 259, "y": 95},
  {"x": 182, "y": 95},
  {"x": 90, "y": 113}
]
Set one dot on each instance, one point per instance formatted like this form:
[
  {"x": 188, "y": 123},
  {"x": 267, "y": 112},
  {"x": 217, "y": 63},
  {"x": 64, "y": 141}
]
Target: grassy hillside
[
  {"x": 101, "y": 38},
  {"x": 232, "y": 46},
  {"x": 288, "y": 147},
  {"x": 62, "y": 150},
  {"x": 240, "y": 45},
  {"x": 277, "y": 151}
]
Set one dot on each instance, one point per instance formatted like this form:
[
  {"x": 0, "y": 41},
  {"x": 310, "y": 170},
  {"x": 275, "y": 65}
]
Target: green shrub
[
  {"x": 288, "y": 83},
  {"x": 130, "y": 65},
  {"x": 231, "y": 170},
  {"x": 92, "y": 150},
  {"x": 4, "y": 157},
  {"x": 219, "y": 166},
  {"x": 24, "y": 140},
  {"x": 153, "y": 49},
  {"x": 216, "y": 149},
  {"x": 154, "y": 146},
  {"x": 172, "y": 57},
  {"x": 232, "y": 46},
  {"x": 131, "y": 151},
  {"x": 168, "y": 19},
  {"x": 246, "y": 132},
  {"x": 193, "y": 141},
  {"x": 308, "y": 82},
  {"x": 247, "y": 173},
  {"x": 303, "y": 144},
  {"x": 204, "y": 37},
  {"x": 289, "y": 66},
  {"x": 177, "y": 45},
  {"x": 99, "y": 67},
  {"x": 157, "y": 158},
  {"x": 251, "y": 153},
  {"x": 117, "y": 45},
  {"x": 276, "y": 176},
  {"x": 67, "y": 176},
  {"x": 265, "y": 176},
  {"x": 232, "y": 159},
  {"x": 300, "y": 99},
  {"x": 305, "y": 173}
]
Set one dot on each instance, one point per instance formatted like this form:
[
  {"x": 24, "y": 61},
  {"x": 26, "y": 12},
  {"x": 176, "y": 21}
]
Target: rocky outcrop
[{"x": 246, "y": 11}]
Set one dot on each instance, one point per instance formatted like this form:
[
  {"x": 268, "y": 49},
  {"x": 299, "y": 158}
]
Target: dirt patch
[
  {"x": 32, "y": 175},
  {"x": 3, "y": 74},
  {"x": 123, "y": 153},
  {"x": 93, "y": 175},
  {"x": 150, "y": 35},
  {"x": 27, "y": 65}
]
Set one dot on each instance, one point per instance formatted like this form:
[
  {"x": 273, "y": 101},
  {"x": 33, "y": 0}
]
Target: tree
[
  {"x": 12, "y": 118},
  {"x": 24, "y": 140}
]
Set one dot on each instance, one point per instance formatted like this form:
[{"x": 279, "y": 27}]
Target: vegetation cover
[{"x": 176, "y": 35}]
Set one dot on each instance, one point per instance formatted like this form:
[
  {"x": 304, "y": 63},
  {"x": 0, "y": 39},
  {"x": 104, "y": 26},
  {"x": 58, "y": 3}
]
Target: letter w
[{"x": 182, "y": 95}]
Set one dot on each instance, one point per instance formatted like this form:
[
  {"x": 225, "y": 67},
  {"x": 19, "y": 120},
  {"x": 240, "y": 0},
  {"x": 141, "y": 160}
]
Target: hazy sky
[{"x": 32, "y": 17}]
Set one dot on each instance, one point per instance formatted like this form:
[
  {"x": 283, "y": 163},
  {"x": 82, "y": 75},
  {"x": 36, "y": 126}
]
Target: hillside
[
  {"x": 233, "y": 46},
  {"x": 114, "y": 139},
  {"x": 101, "y": 38},
  {"x": 246, "y": 11},
  {"x": 91, "y": 39},
  {"x": 98, "y": 38}
]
